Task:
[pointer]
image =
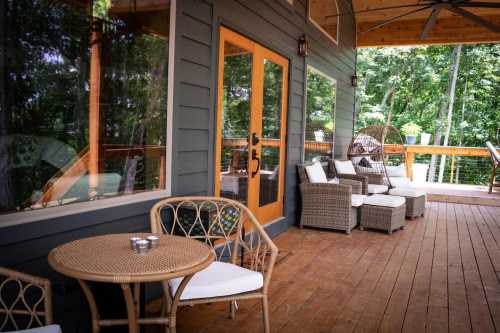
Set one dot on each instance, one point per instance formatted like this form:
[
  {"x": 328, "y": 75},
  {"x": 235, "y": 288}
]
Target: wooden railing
[
  {"x": 411, "y": 150},
  {"x": 323, "y": 147}
]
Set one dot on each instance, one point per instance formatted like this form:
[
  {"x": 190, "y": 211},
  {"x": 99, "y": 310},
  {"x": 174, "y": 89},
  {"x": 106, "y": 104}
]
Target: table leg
[
  {"x": 175, "y": 303},
  {"x": 133, "y": 326},
  {"x": 96, "y": 327}
]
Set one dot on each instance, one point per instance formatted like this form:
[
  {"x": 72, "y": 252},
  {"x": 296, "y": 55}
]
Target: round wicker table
[{"x": 109, "y": 258}]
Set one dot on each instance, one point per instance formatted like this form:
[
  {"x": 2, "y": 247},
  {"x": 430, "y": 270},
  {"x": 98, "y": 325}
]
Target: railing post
[{"x": 410, "y": 156}]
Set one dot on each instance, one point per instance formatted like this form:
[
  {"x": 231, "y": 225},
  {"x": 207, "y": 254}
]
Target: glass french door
[{"x": 251, "y": 119}]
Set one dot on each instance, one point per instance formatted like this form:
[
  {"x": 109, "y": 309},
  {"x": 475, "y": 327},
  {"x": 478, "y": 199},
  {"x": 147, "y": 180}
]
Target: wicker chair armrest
[
  {"x": 357, "y": 186},
  {"x": 326, "y": 193},
  {"x": 261, "y": 251},
  {"x": 374, "y": 178},
  {"x": 360, "y": 178}
]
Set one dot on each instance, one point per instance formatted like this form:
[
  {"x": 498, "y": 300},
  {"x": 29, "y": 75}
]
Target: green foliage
[
  {"x": 415, "y": 81},
  {"x": 419, "y": 78},
  {"x": 47, "y": 95},
  {"x": 411, "y": 129}
]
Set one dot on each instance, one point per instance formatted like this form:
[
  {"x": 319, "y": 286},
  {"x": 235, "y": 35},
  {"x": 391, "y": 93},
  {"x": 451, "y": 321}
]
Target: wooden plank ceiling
[{"x": 450, "y": 28}]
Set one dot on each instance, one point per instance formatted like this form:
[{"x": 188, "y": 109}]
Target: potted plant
[
  {"x": 425, "y": 138},
  {"x": 411, "y": 131}
]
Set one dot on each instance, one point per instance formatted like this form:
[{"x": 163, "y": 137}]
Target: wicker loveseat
[
  {"x": 328, "y": 205},
  {"x": 367, "y": 179}
]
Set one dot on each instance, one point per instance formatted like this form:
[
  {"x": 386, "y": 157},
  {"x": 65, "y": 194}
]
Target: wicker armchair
[
  {"x": 364, "y": 178},
  {"x": 25, "y": 302},
  {"x": 328, "y": 205},
  {"x": 495, "y": 160},
  {"x": 355, "y": 183},
  {"x": 241, "y": 258}
]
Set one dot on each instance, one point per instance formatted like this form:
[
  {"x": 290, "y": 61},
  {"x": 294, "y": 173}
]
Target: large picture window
[
  {"x": 324, "y": 15},
  {"x": 83, "y": 100},
  {"x": 320, "y": 116}
]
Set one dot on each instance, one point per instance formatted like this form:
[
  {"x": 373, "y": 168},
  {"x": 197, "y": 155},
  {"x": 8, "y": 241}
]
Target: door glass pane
[
  {"x": 235, "y": 122},
  {"x": 320, "y": 116},
  {"x": 271, "y": 130}
]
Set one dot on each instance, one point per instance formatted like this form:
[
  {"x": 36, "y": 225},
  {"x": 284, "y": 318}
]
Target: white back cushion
[
  {"x": 315, "y": 173},
  {"x": 344, "y": 167},
  {"x": 396, "y": 171},
  {"x": 400, "y": 182}
]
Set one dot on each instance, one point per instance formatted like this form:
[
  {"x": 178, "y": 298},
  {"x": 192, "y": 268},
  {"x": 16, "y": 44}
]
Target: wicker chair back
[{"x": 25, "y": 301}]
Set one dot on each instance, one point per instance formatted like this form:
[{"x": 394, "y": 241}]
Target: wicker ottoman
[
  {"x": 383, "y": 212},
  {"x": 415, "y": 201}
]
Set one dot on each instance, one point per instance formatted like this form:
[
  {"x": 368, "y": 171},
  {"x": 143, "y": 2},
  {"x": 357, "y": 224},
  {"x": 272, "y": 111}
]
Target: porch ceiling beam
[{"x": 448, "y": 30}]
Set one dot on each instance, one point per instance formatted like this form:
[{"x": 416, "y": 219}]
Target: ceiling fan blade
[
  {"x": 380, "y": 8},
  {"x": 431, "y": 21},
  {"x": 479, "y": 4},
  {"x": 395, "y": 18},
  {"x": 473, "y": 17}
]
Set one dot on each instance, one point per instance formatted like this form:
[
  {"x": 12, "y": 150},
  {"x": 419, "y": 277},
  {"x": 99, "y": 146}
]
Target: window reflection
[
  {"x": 320, "y": 116},
  {"x": 83, "y": 100}
]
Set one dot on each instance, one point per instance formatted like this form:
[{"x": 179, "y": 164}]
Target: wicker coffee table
[{"x": 109, "y": 258}]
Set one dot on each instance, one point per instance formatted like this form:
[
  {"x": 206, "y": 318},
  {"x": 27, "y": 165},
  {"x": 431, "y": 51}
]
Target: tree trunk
[
  {"x": 456, "y": 65},
  {"x": 438, "y": 132},
  {"x": 462, "y": 119}
]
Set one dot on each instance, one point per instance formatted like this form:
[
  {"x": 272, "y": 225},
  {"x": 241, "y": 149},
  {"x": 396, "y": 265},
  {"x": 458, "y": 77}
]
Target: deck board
[{"x": 440, "y": 274}]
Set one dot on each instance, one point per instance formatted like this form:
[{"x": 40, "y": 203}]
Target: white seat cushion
[
  {"x": 385, "y": 200},
  {"x": 44, "y": 329},
  {"x": 334, "y": 181},
  {"x": 400, "y": 182},
  {"x": 219, "y": 279},
  {"x": 407, "y": 192},
  {"x": 357, "y": 200},
  {"x": 344, "y": 167},
  {"x": 375, "y": 188},
  {"x": 315, "y": 173}
]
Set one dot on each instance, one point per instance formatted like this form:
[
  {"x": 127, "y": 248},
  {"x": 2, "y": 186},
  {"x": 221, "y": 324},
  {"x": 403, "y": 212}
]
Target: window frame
[
  {"x": 21, "y": 217},
  {"x": 315, "y": 70},
  {"x": 320, "y": 28}
]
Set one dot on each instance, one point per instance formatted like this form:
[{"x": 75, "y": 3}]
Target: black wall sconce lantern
[
  {"x": 303, "y": 46},
  {"x": 354, "y": 80}
]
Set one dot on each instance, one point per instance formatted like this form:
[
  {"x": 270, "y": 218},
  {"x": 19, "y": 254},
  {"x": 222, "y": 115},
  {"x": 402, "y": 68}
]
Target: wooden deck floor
[
  {"x": 440, "y": 274},
  {"x": 463, "y": 194}
]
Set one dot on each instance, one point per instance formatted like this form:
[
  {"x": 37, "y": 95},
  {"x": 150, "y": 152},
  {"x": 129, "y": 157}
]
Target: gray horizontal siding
[{"x": 273, "y": 23}]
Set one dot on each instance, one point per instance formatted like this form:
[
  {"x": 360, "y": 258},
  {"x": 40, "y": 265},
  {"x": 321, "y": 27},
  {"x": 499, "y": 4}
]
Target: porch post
[{"x": 95, "y": 86}]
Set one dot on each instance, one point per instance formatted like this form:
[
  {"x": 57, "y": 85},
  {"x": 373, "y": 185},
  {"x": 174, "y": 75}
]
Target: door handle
[
  {"x": 255, "y": 139},
  {"x": 255, "y": 158}
]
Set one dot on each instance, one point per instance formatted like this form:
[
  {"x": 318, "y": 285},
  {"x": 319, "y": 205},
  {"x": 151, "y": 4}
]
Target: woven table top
[{"x": 109, "y": 258}]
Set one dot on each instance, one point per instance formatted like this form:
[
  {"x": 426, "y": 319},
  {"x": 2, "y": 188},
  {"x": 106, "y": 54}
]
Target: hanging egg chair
[{"x": 379, "y": 149}]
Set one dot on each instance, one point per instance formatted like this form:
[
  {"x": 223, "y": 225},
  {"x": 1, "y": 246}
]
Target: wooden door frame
[{"x": 259, "y": 52}]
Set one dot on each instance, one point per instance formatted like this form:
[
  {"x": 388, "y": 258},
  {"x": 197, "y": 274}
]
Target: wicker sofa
[
  {"x": 327, "y": 205},
  {"x": 367, "y": 179}
]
